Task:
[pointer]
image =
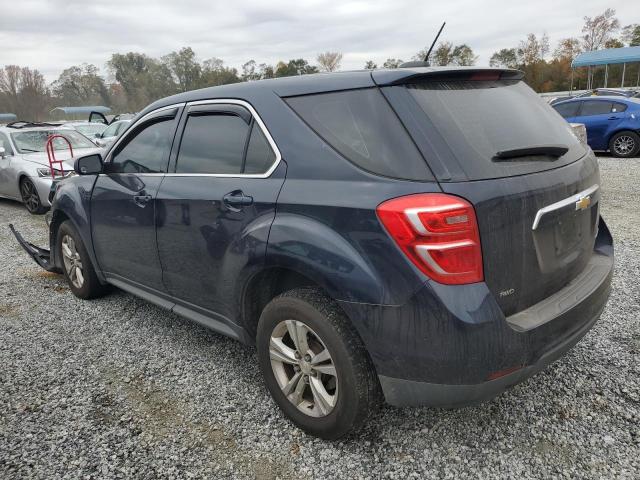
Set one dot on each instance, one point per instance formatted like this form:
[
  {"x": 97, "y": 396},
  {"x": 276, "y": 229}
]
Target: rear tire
[
  {"x": 329, "y": 391},
  {"x": 624, "y": 144},
  {"x": 31, "y": 197},
  {"x": 76, "y": 265}
]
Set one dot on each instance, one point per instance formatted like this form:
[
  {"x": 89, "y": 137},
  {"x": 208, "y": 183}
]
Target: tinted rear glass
[
  {"x": 361, "y": 126},
  {"x": 567, "y": 109},
  {"x": 595, "y": 107},
  {"x": 468, "y": 122}
]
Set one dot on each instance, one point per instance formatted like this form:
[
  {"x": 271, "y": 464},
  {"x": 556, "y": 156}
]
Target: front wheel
[
  {"x": 76, "y": 264},
  {"x": 315, "y": 365},
  {"x": 31, "y": 198},
  {"x": 624, "y": 144}
]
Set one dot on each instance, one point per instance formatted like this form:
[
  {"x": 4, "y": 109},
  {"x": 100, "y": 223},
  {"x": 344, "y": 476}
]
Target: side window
[
  {"x": 4, "y": 142},
  {"x": 146, "y": 151},
  {"x": 212, "y": 143},
  {"x": 363, "y": 128},
  {"x": 567, "y": 109},
  {"x": 260, "y": 156},
  {"x": 618, "y": 107},
  {"x": 594, "y": 107},
  {"x": 111, "y": 130}
]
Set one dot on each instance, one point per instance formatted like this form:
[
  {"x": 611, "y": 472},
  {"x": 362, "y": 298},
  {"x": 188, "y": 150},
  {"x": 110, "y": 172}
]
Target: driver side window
[{"x": 145, "y": 151}]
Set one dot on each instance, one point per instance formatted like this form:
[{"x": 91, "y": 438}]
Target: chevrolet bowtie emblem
[{"x": 583, "y": 203}]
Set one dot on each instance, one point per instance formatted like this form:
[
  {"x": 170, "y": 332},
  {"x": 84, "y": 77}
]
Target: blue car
[
  {"x": 613, "y": 123},
  {"x": 426, "y": 236}
]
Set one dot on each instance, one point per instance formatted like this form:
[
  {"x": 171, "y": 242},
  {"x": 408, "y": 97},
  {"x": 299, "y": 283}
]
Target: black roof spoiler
[{"x": 400, "y": 76}]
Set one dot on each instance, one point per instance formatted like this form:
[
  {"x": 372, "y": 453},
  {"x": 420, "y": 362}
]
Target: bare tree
[
  {"x": 370, "y": 65},
  {"x": 329, "y": 61},
  {"x": 24, "y": 92},
  {"x": 598, "y": 30},
  {"x": 567, "y": 49}
]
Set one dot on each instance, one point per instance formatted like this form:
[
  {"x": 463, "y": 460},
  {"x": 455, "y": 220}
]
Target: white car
[{"x": 25, "y": 175}]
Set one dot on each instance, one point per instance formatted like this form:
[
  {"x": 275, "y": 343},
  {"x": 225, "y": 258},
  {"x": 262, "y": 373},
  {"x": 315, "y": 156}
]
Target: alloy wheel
[
  {"x": 72, "y": 261},
  {"x": 303, "y": 368},
  {"x": 624, "y": 145},
  {"x": 30, "y": 196}
]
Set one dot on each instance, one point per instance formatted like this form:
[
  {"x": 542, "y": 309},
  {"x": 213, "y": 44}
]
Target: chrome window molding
[
  {"x": 233, "y": 101},
  {"x": 562, "y": 204}
]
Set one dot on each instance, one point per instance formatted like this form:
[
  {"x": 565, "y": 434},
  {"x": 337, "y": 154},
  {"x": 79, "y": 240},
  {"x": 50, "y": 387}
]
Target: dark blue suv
[{"x": 427, "y": 236}]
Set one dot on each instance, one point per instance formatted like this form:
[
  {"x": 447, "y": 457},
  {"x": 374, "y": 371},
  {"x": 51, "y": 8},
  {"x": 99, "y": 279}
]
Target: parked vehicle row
[
  {"x": 600, "y": 92},
  {"x": 612, "y": 123},
  {"x": 25, "y": 173},
  {"x": 429, "y": 235}
]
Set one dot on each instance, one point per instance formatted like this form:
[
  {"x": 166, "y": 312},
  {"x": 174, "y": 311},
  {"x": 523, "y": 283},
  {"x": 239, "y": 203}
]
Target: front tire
[
  {"x": 315, "y": 364},
  {"x": 76, "y": 265},
  {"x": 31, "y": 197},
  {"x": 624, "y": 144}
]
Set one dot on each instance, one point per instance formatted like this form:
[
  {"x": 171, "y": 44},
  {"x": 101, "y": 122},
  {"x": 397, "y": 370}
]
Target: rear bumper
[{"x": 452, "y": 345}]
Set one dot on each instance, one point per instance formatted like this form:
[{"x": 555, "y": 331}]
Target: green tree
[
  {"x": 370, "y": 65},
  {"x": 81, "y": 85},
  {"x": 185, "y": 69},
  {"x": 143, "y": 79},
  {"x": 446, "y": 53},
  {"x": 506, "y": 57},
  {"x": 631, "y": 35},
  {"x": 215, "y": 73},
  {"x": 392, "y": 63},
  {"x": 294, "y": 67}
]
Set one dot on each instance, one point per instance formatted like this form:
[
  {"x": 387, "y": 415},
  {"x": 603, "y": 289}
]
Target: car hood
[{"x": 41, "y": 158}]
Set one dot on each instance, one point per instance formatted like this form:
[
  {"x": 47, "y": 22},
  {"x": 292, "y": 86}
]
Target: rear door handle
[
  {"x": 142, "y": 200},
  {"x": 236, "y": 200},
  {"x": 613, "y": 118}
]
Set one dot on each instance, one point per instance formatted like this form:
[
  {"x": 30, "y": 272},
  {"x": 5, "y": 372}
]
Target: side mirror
[
  {"x": 3, "y": 152},
  {"x": 88, "y": 165}
]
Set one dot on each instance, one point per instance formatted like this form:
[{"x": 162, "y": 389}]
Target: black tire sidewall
[
  {"x": 634, "y": 152},
  {"x": 41, "y": 209},
  {"x": 345, "y": 413},
  {"x": 89, "y": 286}
]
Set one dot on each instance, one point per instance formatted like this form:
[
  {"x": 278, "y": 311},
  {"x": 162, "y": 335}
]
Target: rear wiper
[{"x": 548, "y": 150}]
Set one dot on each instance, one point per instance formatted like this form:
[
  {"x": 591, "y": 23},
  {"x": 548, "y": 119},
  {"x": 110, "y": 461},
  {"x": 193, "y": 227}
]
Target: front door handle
[
  {"x": 142, "y": 200},
  {"x": 236, "y": 200}
]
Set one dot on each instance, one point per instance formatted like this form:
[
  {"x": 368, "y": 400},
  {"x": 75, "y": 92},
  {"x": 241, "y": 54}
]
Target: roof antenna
[
  {"x": 426, "y": 57},
  {"x": 425, "y": 62}
]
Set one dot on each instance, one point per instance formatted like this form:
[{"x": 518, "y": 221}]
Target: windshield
[
  {"x": 36, "y": 140},
  {"x": 90, "y": 129},
  {"x": 477, "y": 120}
]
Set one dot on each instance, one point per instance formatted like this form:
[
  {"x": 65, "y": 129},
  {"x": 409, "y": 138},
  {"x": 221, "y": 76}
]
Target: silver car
[
  {"x": 112, "y": 132},
  {"x": 24, "y": 166},
  {"x": 91, "y": 130}
]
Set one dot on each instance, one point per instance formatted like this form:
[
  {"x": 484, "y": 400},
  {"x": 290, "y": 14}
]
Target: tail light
[{"x": 439, "y": 234}]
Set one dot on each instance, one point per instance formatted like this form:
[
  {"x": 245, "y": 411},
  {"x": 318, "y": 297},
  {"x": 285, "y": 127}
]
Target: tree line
[{"x": 136, "y": 79}]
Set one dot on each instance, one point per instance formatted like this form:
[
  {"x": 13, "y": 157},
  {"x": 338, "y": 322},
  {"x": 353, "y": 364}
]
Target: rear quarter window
[{"x": 363, "y": 128}]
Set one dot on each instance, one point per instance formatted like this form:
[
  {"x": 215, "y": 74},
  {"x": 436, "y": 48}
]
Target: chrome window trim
[
  {"x": 215, "y": 101},
  {"x": 563, "y": 203},
  {"x": 108, "y": 156}
]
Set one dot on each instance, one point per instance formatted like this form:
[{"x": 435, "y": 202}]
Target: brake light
[{"x": 439, "y": 234}]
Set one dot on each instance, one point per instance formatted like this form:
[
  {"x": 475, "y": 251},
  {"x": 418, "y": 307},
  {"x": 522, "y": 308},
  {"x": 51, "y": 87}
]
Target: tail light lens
[{"x": 439, "y": 234}]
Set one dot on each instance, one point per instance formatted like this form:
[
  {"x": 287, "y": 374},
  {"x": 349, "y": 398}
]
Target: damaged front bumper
[{"x": 41, "y": 256}]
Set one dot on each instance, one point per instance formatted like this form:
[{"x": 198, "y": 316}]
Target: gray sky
[{"x": 54, "y": 34}]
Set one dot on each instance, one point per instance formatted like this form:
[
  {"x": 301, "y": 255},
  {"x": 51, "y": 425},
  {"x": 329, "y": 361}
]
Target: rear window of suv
[
  {"x": 361, "y": 126},
  {"x": 467, "y": 122}
]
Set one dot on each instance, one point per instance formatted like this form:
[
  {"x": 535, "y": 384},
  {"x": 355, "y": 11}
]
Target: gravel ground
[{"x": 117, "y": 388}]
